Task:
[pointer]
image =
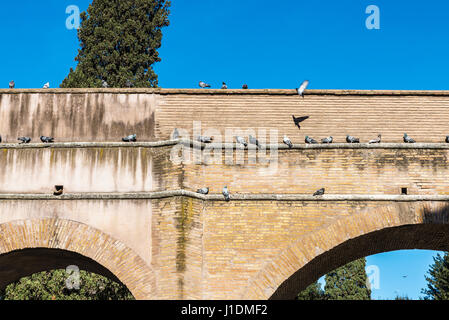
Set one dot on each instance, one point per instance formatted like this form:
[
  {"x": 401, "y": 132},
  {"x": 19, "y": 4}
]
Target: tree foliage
[
  {"x": 348, "y": 282},
  {"x": 119, "y": 40},
  {"x": 51, "y": 285},
  {"x": 438, "y": 279},
  {"x": 312, "y": 292}
]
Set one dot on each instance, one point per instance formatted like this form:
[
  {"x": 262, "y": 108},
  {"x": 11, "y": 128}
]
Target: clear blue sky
[{"x": 265, "y": 44}]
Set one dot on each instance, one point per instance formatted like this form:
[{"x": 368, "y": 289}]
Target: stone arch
[
  {"x": 397, "y": 226},
  {"x": 50, "y": 235}
]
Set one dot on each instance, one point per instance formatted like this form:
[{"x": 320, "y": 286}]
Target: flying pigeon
[
  {"x": 175, "y": 134},
  {"x": 407, "y": 139},
  {"x": 203, "y": 84},
  {"x": 378, "y": 140},
  {"x": 203, "y": 190},
  {"x": 24, "y": 139},
  {"x": 104, "y": 84},
  {"x": 327, "y": 140},
  {"x": 310, "y": 140},
  {"x": 224, "y": 86},
  {"x": 298, "y": 120},
  {"x": 130, "y": 138},
  {"x": 302, "y": 87},
  {"x": 12, "y": 84},
  {"x": 319, "y": 192},
  {"x": 45, "y": 139},
  {"x": 351, "y": 139},
  {"x": 253, "y": 140},
  {"x": 241, "y": 140},
  {"x": 245, "y": 86},
  {"x": 226, "y": 193},
  {"x": 47, "y": 85},
  {"x": 204, "y": 139},
  {"x": 288, "y": 142},
  {"x": 447, "y": 139}
]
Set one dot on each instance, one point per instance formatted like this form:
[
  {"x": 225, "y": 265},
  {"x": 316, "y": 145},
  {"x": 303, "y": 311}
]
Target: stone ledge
[
  {"x": 172, "y": 91},
  {"x": 219, "y": 197}
]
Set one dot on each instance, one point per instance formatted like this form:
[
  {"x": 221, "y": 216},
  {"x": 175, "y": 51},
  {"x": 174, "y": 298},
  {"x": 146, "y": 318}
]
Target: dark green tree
[
  {"x": 438, "y": 279},
  {"x": 51, "y": 285},
  {"x": 348, "y": 282},
  {"x": 312, "y": 292},
  {"x": 119, "y": 40}
]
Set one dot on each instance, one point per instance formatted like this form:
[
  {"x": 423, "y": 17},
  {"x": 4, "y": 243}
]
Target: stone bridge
[{"x": 130, "y": 211}]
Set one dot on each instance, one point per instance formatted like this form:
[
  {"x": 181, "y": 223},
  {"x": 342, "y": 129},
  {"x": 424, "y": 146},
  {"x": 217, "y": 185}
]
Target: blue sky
[{"x": 265, "y": 44}]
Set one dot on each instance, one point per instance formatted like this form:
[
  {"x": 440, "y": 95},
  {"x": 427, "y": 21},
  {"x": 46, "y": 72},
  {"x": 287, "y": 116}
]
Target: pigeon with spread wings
[{"x": 298, "y": 120}]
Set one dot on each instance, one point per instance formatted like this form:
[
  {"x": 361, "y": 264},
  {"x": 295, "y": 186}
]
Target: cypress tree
[
  {"x": 438, "y": 279},
  {"x": 312, "y": 292},
  {"x": 119, "y": 40},
  {"x": 348, "y": 282}
]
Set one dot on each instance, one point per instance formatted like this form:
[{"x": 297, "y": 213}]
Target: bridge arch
[
  {"x": 398, "y": 226},
  {"x": 49, "y": 243}
]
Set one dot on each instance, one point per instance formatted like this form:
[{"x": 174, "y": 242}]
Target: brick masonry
[{"x": 123, "y": 210}]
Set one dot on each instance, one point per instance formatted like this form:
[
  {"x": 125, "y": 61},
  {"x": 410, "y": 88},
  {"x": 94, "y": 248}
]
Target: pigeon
[
  {"x": 310, "y": 140},
  {"x": 298, "y": 120},
  {"x": 447, "y": 139},
  {"x": 130, "y": 138},
  {"x": 224, "y": 86},
  {"x": 226, "y": 193},
  {"x": 319, "y": 192},
  {"x": 327, "y": 140},
  {"x": 302, "y": 88},
  {"x": 47, "y": 85},
  {"x": 129, "y": 84},
  {"x": 288, "y": 142},
  {"x": 245, "y": 86},
  {"x": 58, "y": 190},
  {"x": 407, "y": 139},
  {"x": 203, "y": 84},
  {"x": 45, "y": 139},
  {"x": 253, "y": 140},
  {"x": 378, "y": 140},
  {"x": 175, "y": 134},
  {"x": 203, "y": 190},
  {"x": 12, "y": 84},
  {"x": 205, "y": 139},
  {"x": 351, "y": 139},
  {"x": 104, "y": 84},
  {"x": 24, "y": 139},
  {"x": 241, "y": 140}
]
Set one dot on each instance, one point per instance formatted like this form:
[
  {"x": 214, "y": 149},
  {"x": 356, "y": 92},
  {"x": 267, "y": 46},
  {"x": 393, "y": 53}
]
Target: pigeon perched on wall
[
  {"x": 407, "y": 139},
  {"x": 298, "y": 120},
  {"x": 128, "y": 83},
  {"x": 204, "y": 139},
  {"x": 203, "y": 190},
  {"x": 24, "y": 139},
  {"x": 224, "y": 86},
  {"x": 12, "y": 84},
  {"x": 378, "y": 140},
  {"x": 327, "y": 140},
  {"x": 245, "y": 86},
  {"x": 47, "y": 85},
  {"x": 319, "y": 192},
  {"x": 104, "y": 84},
  {"x": 130, "y": 138},
  {"x": 226, "y": 193},
  {"x": 288, "y": 142},
  {"x": 203, "y": 84},
  {"x": 241, "y": 140},
  {"x": 351, "y": 139},
  {"x": 45, "y": 139},
  {"x": 302, "y": 88},
  {"x": 175, "y": 134},
  {"x": 447, "y": 139},
  {"x": 253, "y": 140},
  {"x": 310, "y": 140}
]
